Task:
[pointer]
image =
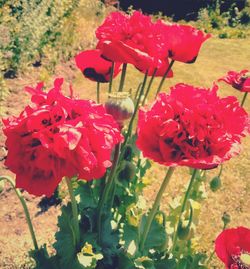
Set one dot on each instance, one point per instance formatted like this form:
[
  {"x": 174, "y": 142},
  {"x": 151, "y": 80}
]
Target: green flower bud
[
  {"x": 226, "y": 218},
  {"x": 215, "y": 184},
  {"x": 128, "y": 152},
  {"x": 186, "y": 232},
  {"x": 128, "y": 171},
  {"x": 183, "y": 232}
]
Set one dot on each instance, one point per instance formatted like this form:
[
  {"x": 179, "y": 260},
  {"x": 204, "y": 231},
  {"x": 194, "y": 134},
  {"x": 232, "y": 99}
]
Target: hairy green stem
[
  {"x": 149, "y": 86},
  {"x": 25, "y": 208},
  {"x": 164, "y": 77},
  {"x": 155, "y": 207},
  {"x": 98, "y": 92},
  {"x": 244, "y": 99},
  {"x": 111, "y": 77},
  {"x": 123, "y": 75},
  {"x": 130, "y": 127},
  {"x": 108, "y": 187},
  {"x": 137, "y": 92},
  {"x": 74, "y": 211},
  {"x": 212, "y": 254},
  {"x": 183, "y": 206}
]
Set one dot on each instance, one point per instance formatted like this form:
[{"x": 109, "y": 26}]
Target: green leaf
[
  {"x": 130, "y": 234},
  {"x": 165, "y": 264},
  {"x": 183, "y": 264},
  {"x": 42, "y": 259},
  {"x": 65, "y": 240},
  {"x": 87, "y": 195},
  {"x": 124, "y": 262},
  {"x": 192, "y": 262},
  {"x": 144, "y": 263},
  {"x": 157, "y": 234}
]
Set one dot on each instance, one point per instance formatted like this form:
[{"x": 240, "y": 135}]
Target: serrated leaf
[
  {"x": 130, "y": 233},
  {"x": 157, "y": 234},
  {"x": 65, "y": 240},
  {"x": 165, "y": 264},
  {"x": 42, "y": 259},
  {"x": 144, "y": 263},
  {"x": 124, "y": 262},
  {"x": 86, "y": 196}
]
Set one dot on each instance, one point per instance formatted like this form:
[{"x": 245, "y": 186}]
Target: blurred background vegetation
[{"x": 46, "y": 32}]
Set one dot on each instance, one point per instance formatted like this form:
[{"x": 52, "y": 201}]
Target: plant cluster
[{"x": 103, "y": 159}]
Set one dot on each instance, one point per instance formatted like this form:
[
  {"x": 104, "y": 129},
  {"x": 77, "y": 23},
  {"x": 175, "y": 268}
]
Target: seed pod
[
  {"x": 215, "y": 184},
  {"x": 120, "y": 106},
  {"x": 128, "y": 171},
  {"x": 226, "y": 218}
]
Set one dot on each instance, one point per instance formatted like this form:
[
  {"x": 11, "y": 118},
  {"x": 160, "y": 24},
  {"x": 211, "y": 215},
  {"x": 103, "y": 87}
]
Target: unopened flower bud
[
  {"x": 120, "y": 106},
  {"x": 215, "y": 184},
  {"x": 128, "y": 171},
  {"x": 128, "y": 152},
  {"x": 183, "y": 232},
  {"x": 226, "y": 218}
]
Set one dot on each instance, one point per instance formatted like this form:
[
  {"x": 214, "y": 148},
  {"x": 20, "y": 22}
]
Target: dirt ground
[{"x": 233, "y": 197}]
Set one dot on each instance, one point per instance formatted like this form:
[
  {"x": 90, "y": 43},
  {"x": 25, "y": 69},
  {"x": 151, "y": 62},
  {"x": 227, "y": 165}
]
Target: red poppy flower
[
  {"x": 238, "y": 80},
  {"x": 129, "y": 39},
  {"x": 94, "y": 66},
  {"x": 183, "y": 42},
  {"x": 161, "y": 70},
  {"x": 191, "y": 127},
  {"x": 56, "y": 137},
  {"x": 232, "y": 246}
]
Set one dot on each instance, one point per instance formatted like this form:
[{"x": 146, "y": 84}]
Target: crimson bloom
[
  {"x": 183, "y": 42},
  {"x": 94, "y": 66},
  {"x": 238, "y": 80},
  {"x": 58, "y": 136},
  {"x": 232, "y": 246},
  {"x": 132, "y": 39},
  {"x": 191, "y": 127}
]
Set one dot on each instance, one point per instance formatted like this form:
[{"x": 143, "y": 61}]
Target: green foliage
[
  {"x": 230, "y": 23},
  {"x": 65, "y": 244},
  {"x": 42, "y": 259}
]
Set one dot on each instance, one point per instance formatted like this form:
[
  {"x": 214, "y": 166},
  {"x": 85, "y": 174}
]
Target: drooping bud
[
  {"x": 226, "y": 218},
  {"x": 215, "y": 184},
  {"x": 128, "y": 171},
  {"x": 185, "y": 232},
  {"x": 128, "y": 152},
  {"x": 120, "y": 106}
]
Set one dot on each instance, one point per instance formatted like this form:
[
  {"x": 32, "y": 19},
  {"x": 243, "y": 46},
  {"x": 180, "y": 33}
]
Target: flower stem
[
  {"x": 149, "y": 86},
  {"x": 74, "y": 211},
  {"x": 130, "y": 127},
  {"x": 183, "y": 206},
  {"x": 98, "y": 92},
  {"x": 137, "y": 92},
  {"x": 155, "y": 207},
  {"x": 25, "y": 208},
  {"x": 164, "y": 77},
  {"x": 123, "y": 75},
  {"x": 107, "y": 189},
  {"x": 244, "y": 99},
  {"x": 111, "y": 77},
  {"x": 212, "y": 254}
]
